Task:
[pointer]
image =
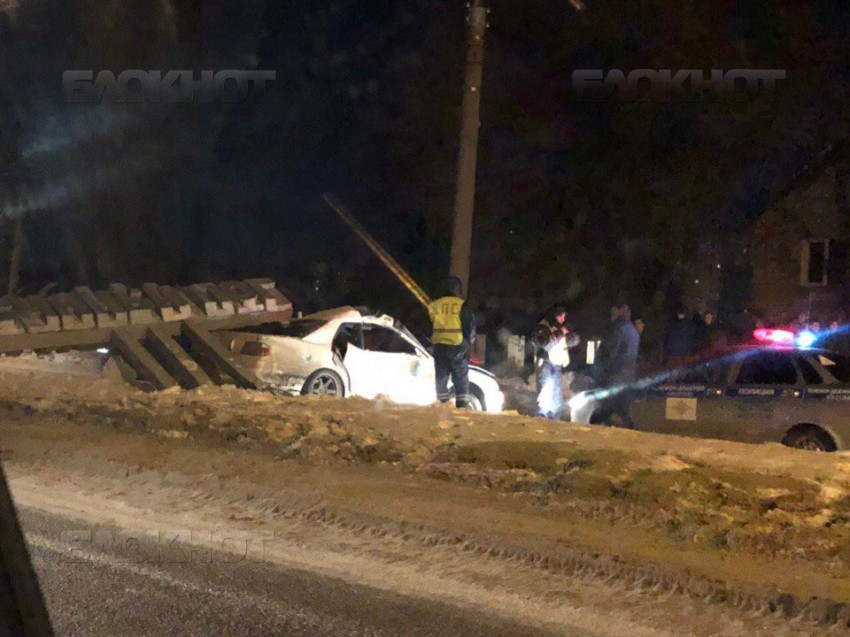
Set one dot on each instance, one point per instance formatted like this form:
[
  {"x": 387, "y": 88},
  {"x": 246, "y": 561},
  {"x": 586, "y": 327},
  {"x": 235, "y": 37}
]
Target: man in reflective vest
[
  {"x": 453, "y": 333},
  {"x": 552, "y": 341}
]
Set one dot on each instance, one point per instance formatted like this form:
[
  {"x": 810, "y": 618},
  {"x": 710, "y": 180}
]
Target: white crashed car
[{"x": 344, "y": 352}]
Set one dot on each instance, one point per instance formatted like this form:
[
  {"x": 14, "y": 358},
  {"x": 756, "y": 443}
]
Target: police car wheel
[{"x": 810, "y": 438}]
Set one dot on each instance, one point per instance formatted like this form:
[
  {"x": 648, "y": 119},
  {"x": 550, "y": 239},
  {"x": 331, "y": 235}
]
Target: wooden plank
[
  {"x": 23, "y": 612},
  {"x": 211, "y": 347},
  {"x": 175, "y": 359},
  {"x": 128, "y": 343}
]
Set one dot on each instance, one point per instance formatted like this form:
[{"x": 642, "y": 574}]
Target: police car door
[
  {"x": 682, "y": 402},
  {"x": 766, "y": 389}
]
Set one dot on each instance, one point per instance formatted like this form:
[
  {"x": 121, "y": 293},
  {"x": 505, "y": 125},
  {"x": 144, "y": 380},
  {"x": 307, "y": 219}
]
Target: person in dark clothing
[
  {"x": 645, "y": 360},
  {"x": 552, "y": 340},
  {"x": 453, "y": 332},
  {"x": 618, "y": 357},
  {"x": 679, "y": 340},
  {"x": 708, "y": 336}
]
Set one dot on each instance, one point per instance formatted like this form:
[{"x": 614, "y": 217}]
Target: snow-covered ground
[
  {"x": 75, "y": 363},
  {"x": 748, "y": 518}
]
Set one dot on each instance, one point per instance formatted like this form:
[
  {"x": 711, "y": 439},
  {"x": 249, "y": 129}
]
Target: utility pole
[{"x": 468, "y": 154}]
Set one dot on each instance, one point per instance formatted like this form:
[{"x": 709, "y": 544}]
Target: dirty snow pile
[
  {"x": 761, "y": 500},
  {"x": 76, "y": 363}
]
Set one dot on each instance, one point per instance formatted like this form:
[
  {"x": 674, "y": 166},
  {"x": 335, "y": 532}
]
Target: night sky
[{"x": 578, "y": 199}]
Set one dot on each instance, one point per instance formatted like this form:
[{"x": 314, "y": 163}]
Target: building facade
[{"x": 799, "y": 250}]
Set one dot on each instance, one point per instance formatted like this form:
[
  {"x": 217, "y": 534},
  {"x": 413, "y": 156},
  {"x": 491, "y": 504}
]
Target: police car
[{"x": 790, "y": 394}]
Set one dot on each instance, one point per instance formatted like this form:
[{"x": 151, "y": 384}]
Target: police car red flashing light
[
  {"x": 785, "y": 337},
  {"x": 777, "y": 337}
]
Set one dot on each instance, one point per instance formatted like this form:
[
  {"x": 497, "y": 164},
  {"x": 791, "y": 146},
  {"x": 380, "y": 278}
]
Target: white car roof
[
  {"x": 346, "y": 314},
  {"x": 332, "y": 318}
]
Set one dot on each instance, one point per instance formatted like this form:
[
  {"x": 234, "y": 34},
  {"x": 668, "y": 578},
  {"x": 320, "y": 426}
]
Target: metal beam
[{"x": 379, "y": 251}]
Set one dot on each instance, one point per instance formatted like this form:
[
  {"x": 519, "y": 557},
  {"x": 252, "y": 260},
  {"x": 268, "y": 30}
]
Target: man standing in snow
[
  {"x": 453, "y": 332},
  {"x": 618, "y": 357},
  {"x": 552, "y": 341}
]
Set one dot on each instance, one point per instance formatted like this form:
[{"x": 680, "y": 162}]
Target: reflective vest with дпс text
[{"x": 445, "y": 319}]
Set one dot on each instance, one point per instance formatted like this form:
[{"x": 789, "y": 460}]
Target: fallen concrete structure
[{"x": 164, "y": 333}]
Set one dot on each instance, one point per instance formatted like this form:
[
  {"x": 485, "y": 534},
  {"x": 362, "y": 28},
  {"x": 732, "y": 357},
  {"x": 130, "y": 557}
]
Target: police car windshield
[{"x": 836, "y": 364}]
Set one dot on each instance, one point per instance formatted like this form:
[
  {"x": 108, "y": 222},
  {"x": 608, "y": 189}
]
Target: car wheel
[
  {"x": 475, "y": 401},
  {"x": 599, "y": 417},
  {"x": 810, "y": 438},
  {"x": 324, "y": 382}
]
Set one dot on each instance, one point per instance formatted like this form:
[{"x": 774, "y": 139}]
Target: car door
[
  {"x": 766, "y": 393},
  {"x": 683, "y": 401},
  {"x": 389, "y": 365},
  {"x": 347, "y": 346}
]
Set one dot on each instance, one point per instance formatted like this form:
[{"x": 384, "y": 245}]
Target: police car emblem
[{"x": 681, "y": 409}]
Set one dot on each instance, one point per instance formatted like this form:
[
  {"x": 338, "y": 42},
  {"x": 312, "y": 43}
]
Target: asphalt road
[{"x": 98, "y": 587}]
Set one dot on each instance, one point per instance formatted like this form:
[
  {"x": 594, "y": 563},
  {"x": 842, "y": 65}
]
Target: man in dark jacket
[
  {"x": 453, "y": 331},
  {"x": 679, "y": 340},
  {"x": 552, "y": 341},
  {"x": 618, "y": 357}
]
